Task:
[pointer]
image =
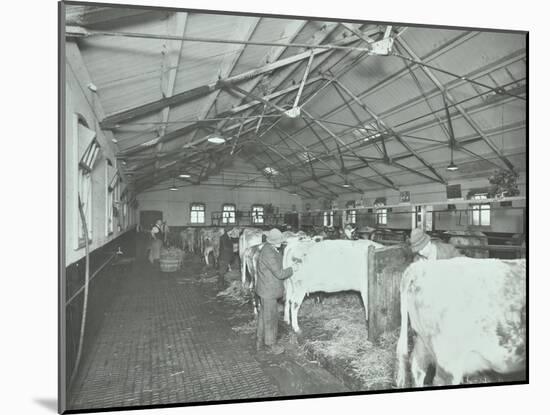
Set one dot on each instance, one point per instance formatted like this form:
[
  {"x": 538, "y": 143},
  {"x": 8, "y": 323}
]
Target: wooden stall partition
[{"x": 385, "y": 269}]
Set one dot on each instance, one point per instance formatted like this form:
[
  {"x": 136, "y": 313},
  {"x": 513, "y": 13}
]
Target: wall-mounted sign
[{"x": 405, "y": 197}]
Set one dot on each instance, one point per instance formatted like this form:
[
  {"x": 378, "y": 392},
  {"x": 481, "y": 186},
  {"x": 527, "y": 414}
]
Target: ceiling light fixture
[
  {"x": 184, "y": 175},
  {"x": 216, "y": 138},
  {"x": 452, "y": 166}
]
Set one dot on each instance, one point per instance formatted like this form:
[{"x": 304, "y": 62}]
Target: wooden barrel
[{"x": 169, "y": 264}]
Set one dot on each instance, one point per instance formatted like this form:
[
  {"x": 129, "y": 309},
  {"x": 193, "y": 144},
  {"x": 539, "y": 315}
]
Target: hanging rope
[{"x": 86, "y": 283}]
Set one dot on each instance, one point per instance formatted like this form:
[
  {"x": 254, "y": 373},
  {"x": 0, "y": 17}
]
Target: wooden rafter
[
  {"x": 172, "y": 58},
  {"x": 190, "y": 127},
  {"x": 228, "y": 63},
  {"x": 198, "y": 92}
]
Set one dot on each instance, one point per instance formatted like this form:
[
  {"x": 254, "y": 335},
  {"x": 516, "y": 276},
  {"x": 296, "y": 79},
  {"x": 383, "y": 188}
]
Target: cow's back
[
  {"x": 335, "y": 265},
  {"x": 470, "y": 312}
]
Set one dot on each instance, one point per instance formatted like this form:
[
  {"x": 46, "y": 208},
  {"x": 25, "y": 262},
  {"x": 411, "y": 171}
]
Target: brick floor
[{"x": 163, "y": 341}]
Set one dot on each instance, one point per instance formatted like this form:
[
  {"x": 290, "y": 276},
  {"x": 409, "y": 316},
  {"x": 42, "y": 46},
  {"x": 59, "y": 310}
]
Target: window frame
[
  {"x": 203, "y": 211},
  {"x": 84, "y": 177},
  {"x": 351, "y": 212},
  {"x": 257, "y": 219},
  {"x": 328, "y": 218},
  {"x": 84, "y": 165},
  {"x": 477, "y": 210},
  {"x": 231, "y": 219},
  {"x": 382, "y": 216}
]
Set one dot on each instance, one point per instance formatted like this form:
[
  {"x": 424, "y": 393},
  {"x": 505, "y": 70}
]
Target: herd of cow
[{"x": 467, "y": 315}]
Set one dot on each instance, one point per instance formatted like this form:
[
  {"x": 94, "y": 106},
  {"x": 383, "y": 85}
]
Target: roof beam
[
  {"x": 462, "y": 111},
  {"x": 90, "y": 15},
  {"x": 78, "y": 67},
  {"x": 339, "y": 140},
  {"x": 190, "y": 127},
  {"x": 390, "y": 129},
  {"x": 315, "y": 177},
  {"x": 433, "y": 55},
  {"x": 228, "y": 63},
  {"x": 172, "y": 47}
]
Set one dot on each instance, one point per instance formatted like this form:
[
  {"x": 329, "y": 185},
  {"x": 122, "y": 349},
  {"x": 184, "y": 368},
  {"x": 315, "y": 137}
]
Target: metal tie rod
[{"x": 73, "y": 31}]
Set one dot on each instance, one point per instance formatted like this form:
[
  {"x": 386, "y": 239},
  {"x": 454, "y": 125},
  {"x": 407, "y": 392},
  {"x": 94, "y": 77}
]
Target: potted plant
[{"x": 503, "y": 184}]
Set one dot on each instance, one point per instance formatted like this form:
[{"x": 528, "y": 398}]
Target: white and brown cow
[
  {"x": 468, "y": 315},
  {"x": 327, "y": 266}
]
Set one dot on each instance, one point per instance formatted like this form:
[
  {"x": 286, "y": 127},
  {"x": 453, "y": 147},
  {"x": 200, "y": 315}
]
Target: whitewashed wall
[
  {"x": 510, "y": 221},
  {"x": 76, "y": 102},
  {"x": 175, "y": 205}
]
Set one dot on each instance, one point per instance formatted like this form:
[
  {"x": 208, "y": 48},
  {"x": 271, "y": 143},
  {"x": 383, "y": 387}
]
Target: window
[
  {"x": 351, "y": 215},
  {"x": 257, "y": 214},
  {"x": 418, "y": 217},
  {"x": 85, "y": 197},
  {"x": 197, "y": 212},
  {"x": 124, "y": 217},
  {"x": 382, "y": 216},
  {"x": 110, "y": 203},
  {"x": 481, "y": 214},
  {"x": 328, "y": 218},
  {"x": 228, "y": 213},
  {"x": 88, "y": 150},
  {"x": 112, "y": 198}
]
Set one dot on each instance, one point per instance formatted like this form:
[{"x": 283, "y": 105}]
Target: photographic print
[{"x": 259, "y": 207}]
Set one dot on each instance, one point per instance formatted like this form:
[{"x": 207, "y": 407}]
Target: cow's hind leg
[
  {"x": 295, "y": 308},
  {"x": 365, "y": 298},
  {"x": 286, "y": 313},
  {"x": 422, "y": 365}
]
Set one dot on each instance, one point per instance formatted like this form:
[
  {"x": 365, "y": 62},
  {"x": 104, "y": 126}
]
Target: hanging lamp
[{"x": 452, "y": 166}]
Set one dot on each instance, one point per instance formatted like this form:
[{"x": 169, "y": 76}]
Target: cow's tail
[
  {"x": 403, "y": 342},
  {"x": 241, "y": 256}
]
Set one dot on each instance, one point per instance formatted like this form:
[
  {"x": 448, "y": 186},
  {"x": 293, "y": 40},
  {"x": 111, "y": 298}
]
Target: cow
[
  {"x": 468, "y": 315},
  {"x": 188, "y": 239},
  {"x": 251, "y": 256},
  {"x": 249, "y": 237},
  {"x": 210, "y": 242},
  {"x": 327, "y": 266}
]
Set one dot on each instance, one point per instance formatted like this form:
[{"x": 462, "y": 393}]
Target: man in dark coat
[
  {"x": 225, "y": 257},
  {"x": 269, "y": 287},
  {"x": 426, "y": 248}
]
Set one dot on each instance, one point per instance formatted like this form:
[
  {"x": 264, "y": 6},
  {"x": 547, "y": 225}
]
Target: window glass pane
[
  {"x": 485, "y": 215},
  {"x": 257, "y": 214},
  {"x": 197, "y": 213}
]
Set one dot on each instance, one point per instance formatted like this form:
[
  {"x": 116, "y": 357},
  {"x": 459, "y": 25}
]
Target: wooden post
[
  {"x": 372, "y": 294},
  {"x": 385, "y": 270}
]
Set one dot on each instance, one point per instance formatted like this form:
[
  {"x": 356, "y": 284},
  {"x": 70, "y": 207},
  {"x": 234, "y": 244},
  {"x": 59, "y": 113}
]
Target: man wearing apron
[{"x": 157, "y": 236}]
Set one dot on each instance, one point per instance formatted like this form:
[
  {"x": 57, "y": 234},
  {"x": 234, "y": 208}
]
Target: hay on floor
[
  {"x": 235, "y": 293},
  {"x": 336, "y": 330}
]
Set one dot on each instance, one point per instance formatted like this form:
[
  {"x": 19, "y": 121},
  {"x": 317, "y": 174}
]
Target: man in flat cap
[
  {"x": 269, "y": 288},
  {"x": 426, "y": 248}
]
